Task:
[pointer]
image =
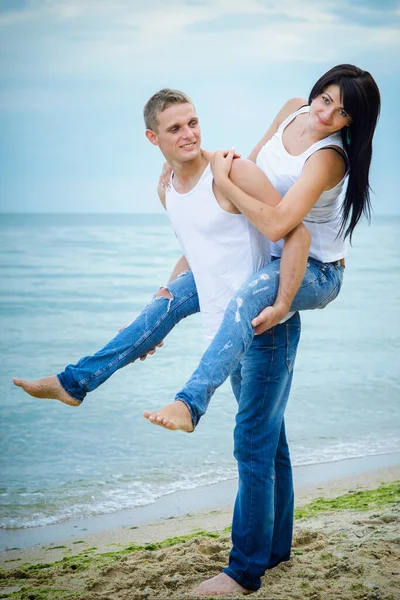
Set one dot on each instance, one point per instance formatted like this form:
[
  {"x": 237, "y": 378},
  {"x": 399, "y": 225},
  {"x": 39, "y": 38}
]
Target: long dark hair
[{"x": 361, "y": 101}]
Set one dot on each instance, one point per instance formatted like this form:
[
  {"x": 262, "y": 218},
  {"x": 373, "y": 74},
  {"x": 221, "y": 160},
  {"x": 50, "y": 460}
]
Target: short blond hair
[{"x": 161, "y": 101}]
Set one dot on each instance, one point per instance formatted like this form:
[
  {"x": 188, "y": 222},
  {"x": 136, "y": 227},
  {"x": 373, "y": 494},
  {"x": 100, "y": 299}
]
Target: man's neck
[{"x": 187, "y": 174}]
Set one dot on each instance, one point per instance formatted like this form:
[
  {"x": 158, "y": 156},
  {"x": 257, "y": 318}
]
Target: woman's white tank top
[
  {"x": 283, "y": 169},
  {"x": 222, "y": 249}
]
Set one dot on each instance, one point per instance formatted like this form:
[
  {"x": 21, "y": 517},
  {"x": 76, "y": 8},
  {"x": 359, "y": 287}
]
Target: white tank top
[
  {"x": 222, "y": 249},
  {"x": 283, "y": 169}
]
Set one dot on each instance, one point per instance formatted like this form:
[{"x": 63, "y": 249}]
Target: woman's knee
[{"x": 255, "y": 294}]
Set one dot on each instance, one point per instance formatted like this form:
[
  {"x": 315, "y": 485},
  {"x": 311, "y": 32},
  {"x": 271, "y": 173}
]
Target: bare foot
[
  {"x": 48, "y": 387},
  {"x": 173, "y": 416},
  {"x": 221, "y": 585}
]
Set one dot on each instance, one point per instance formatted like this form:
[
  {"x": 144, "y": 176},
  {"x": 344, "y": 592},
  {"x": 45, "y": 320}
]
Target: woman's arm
[
  {"x": 254, "y": 182},
  {"x": 321, "y": 172},
  {"x": 287, "y": 109}
]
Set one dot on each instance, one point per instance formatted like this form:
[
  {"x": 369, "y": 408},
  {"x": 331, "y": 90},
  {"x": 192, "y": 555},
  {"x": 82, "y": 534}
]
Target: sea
[{"x": 69, "y": 282}]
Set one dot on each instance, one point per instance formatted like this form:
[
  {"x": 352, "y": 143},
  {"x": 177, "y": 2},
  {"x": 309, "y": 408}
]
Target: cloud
[
  {"x": 79, "y": 37},
  {"x": 76, "y": 73},
  {"x": 58, "y": 49}
]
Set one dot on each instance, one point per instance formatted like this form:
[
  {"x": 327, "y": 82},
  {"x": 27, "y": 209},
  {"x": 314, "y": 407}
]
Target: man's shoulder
[{"x": 207, "y": 154}]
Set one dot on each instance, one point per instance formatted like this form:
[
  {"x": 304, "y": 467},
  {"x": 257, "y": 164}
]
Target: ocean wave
[{"x": 38, "y": 508}]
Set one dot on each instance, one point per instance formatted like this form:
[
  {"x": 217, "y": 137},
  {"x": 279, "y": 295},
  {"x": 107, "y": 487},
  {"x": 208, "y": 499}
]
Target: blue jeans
[
  {"x": 261, "y": 379},
  {"x": 262, "y": 525},
  {"x": 321, "y": 285},
  {"x": 162, "y": 314},
  {"x": 152, "y": 325}
]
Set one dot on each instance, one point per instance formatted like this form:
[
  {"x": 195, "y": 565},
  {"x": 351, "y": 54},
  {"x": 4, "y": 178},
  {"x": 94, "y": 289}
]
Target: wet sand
[{"x": 338, "y": 552}]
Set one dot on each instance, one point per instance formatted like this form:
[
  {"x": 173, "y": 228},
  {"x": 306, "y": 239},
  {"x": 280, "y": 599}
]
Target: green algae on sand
[
  {"x": 86, "y": 574},
  {"x": 384, "y": 495}
]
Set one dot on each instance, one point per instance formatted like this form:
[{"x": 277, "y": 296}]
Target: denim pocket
[
  {"x": 337, "y": 284},
  {"x": 292, "y": 341},
  {"x": 330, "y": 297}
]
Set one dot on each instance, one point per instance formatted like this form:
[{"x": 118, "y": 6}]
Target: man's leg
[
  {"x": 263, "y": 514},
  {"x": 266, "y": 379},
  {"x": 284, "y": 503},
  {"x": 221, "y": 584},
  {"x": 136, "y": 339},
  {"x": 284, "y": 492}
]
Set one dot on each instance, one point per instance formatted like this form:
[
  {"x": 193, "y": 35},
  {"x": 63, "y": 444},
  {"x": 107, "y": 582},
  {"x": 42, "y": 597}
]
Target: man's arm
[
  {"x": 182, "y": 265},
  {"x": 248, "y": 176}
]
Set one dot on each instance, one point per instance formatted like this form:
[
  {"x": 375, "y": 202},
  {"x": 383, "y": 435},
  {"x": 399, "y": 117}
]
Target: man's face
[{"x": 178, "y": 134}]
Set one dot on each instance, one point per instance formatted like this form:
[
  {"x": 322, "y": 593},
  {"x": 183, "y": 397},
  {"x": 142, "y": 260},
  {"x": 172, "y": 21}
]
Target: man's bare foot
[
  {"x": 173, "y": 416},
  {"x": 221, "y": 585},
  {"x": 48, "y": 387}
]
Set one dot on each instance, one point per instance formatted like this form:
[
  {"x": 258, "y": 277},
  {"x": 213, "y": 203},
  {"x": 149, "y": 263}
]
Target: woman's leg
[
  {"x": 321, "y": 284},
  {"x": 135, "y": 340}
]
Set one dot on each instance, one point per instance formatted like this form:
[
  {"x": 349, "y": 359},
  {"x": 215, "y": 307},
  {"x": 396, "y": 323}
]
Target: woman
[{"x": 307, "y": 153}]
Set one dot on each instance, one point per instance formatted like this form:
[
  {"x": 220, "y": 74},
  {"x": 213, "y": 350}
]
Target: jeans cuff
[
  {"x": 193, "y": 415},
  {"x": 243, "y": 581},
  {"x": 65, "y": 388}
]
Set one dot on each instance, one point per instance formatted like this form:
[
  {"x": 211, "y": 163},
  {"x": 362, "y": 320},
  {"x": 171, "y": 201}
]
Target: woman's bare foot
[
  {"x": 48, "y": 387},
  {"x": 221, "y": 585},
  {"x": 173, "y": 416}
]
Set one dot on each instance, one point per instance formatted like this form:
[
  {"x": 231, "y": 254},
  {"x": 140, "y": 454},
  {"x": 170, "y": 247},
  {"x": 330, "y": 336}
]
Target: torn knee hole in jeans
[{"x": 163, "y": 294}]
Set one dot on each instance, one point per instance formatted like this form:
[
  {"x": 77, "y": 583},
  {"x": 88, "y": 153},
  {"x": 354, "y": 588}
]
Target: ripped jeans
[
  {"x": 321, "y": 285},
  {"x": 148, "y": 329},
  {"x": 262, "y": 370}
]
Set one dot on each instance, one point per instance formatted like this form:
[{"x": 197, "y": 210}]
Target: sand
[{"x": 337, "y": 554}]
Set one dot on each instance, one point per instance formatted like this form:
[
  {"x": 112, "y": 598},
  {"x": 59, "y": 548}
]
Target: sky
[{"x": 75, "y": 75}]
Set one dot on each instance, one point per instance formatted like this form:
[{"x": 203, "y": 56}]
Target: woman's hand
[
  {"x": 165, "y": 177},
  {"x": 221, "y": 164},
  {"x": 269, "y": 317}
]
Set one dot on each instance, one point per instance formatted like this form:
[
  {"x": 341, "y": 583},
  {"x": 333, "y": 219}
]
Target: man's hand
[
  {"x": 166, "y": 294},
  {"x": 165, "y": 177},
  {"x": 151, "y": 352},
  {"x": 269, "y": 317}
]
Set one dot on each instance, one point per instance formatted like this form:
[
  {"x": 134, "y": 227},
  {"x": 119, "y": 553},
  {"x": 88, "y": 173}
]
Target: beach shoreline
[
  {"x": 205, "y": 508},
  {"x": 344, "y": 546}
]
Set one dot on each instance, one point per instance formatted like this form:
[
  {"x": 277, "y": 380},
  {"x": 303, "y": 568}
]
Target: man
[
  {"x": 261, "y": 530},
  {"x": 194, "y": 204}
]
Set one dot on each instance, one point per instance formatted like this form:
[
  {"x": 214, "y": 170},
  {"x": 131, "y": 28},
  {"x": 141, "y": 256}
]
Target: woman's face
[{"x": 327, "y": 113}]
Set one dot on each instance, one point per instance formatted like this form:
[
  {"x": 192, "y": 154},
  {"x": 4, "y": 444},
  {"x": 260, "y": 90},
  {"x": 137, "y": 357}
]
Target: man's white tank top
[
  {"x": 222, "y": 249},
  {"x": 283, "y": 169}
]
